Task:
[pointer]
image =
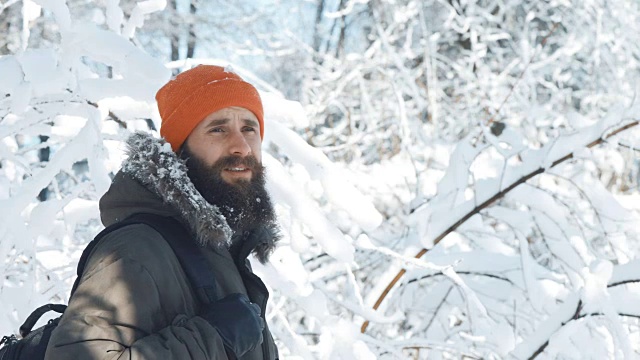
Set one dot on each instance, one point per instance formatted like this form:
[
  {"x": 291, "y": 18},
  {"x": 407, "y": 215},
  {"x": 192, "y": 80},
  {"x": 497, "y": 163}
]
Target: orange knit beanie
[{"x": 198, "y": 92}]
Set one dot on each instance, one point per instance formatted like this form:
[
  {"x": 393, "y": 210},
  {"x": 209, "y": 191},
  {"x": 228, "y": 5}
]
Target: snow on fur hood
[{"x": 154, "y": 165}]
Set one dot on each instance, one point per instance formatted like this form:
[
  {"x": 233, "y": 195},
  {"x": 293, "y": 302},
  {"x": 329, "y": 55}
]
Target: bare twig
[
  {"x": 543, "y": 43},
  {"x": 630, "y": 147},
  {"x": 577, "y": 316},
  {"x": 624, "y": 282},
  {"x": 462, "y": 273},
  {"x": 123, "y": 124},
  {"x": 435, "y": 313}
]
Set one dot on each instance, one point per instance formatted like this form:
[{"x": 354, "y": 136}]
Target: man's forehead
[{"x": 230, "y": 113}]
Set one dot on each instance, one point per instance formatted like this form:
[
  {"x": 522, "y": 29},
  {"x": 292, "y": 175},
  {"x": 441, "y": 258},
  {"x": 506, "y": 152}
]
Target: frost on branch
[
  {"x": 57, "y": 152},
  {"x": 545, "y": 210}
]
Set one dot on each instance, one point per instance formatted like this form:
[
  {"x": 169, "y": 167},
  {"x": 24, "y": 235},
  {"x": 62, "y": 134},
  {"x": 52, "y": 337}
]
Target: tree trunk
[
  {"x": 333, "y": 29},
  {"x": 175, "y": 33},
  {"x": 316, "y": 30},
  {"x": 191, "y": 40},
  {"x": 343, "y": 31}
]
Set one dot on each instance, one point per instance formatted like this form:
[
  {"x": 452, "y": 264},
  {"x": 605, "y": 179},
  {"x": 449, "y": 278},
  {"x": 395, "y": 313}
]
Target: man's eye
[
  {"x": 249, "y": 128},
  {"x": 216, "y": 130}
]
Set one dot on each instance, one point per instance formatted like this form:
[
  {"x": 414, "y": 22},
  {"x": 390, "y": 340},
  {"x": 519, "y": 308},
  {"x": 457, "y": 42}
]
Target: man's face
[
  {"x": 232, "y": 131},
  {"x": 223, "y": 162}
]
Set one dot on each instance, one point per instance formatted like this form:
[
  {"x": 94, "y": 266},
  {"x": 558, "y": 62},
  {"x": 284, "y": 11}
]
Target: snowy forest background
[{"x": 455, "y": 179}]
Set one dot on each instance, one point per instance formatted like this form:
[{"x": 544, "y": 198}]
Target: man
[{"x": 134, "y": 300}]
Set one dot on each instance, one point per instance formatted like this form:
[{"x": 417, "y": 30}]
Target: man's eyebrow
[
  {"x": 217, "y": 122},
  {"x": 223, "y": 121},
  {"x": 251, "y": 122}
]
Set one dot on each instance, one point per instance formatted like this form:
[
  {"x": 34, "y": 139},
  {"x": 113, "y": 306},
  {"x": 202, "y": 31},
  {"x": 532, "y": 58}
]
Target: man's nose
[{"x": 239, "y": 145}]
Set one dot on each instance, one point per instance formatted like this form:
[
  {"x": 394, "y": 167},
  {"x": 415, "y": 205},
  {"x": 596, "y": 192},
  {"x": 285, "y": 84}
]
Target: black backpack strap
[
  {"x": 192, "y": 260},
  {"x": 28, "y": 324}
]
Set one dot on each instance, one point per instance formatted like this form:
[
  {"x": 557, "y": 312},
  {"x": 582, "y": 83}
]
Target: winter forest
[{"x": 454, "y": 179}]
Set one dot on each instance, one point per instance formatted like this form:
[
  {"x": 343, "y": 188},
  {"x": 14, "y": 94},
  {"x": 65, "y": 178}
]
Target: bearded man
[{"x": 134, "y": 300}]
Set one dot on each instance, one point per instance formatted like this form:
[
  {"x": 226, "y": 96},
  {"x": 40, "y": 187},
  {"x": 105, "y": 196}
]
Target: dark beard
[{"x": 244, "y": 204}]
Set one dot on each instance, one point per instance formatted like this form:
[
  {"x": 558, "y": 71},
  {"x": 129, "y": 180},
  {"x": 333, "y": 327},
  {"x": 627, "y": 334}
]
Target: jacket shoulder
[{"x": 139, "y": 243}]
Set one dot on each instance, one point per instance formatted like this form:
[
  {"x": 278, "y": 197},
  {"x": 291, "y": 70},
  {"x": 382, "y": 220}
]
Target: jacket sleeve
[{"x": 123, "y": 308}]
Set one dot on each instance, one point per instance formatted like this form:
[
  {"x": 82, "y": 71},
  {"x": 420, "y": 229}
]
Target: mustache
[{"x": 249, "y": 162}]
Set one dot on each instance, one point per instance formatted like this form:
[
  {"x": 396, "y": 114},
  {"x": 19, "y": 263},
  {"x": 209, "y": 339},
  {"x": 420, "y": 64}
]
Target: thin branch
[
  {"x": 626, "y": 146},
  {"x": 462, "y": 273},
  {"x": 543, "y": 346},
  {"x": 488, "y": 202},
  {"x": 543, "y": 43},
  {"x": 577, "y": 316},
  {"x": 437, "y": 310},
  {"x": 623, "y": 282},
  {"x": 113, "y": 116},
  {"x": 635, "y": 316}
]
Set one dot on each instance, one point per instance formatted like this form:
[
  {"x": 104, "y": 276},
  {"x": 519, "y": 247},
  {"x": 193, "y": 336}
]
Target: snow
[
  {"x": 136, "y": 20},
  {"x": 115, "y": 16},
  {"x": 282, "y": 111},
  {"x": 78, "y": 210},
  {"x": 10, "y": 73},
  {"x": 60, "y": 11},
  {"x": 340, "y": 192},
  {"x": 41, "y": 71},
  {"x": 21, "y": 97},
  {"x": 284, "y": 190},
  {"x": 625, "y": 272},
  {"x": 68, "y": 126},
  {"x": 139, "y": 75},
  {"x": 30, "y": 10},
  {"x": 387, "y": 151}
]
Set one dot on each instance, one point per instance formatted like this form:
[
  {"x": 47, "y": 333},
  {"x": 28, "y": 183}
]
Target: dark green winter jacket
[{"x": 134, "y": 300}]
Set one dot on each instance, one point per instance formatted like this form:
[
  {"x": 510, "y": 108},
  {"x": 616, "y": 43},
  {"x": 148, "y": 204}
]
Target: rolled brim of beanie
[{"x": 209, "y": 98}]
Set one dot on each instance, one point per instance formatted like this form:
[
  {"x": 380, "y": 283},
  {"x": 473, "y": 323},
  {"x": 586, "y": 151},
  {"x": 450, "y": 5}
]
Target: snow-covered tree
[{"x": 453, "y": 179}]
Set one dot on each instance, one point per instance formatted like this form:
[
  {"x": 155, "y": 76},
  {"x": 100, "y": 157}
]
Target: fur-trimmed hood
[{"x": 154, "y": 180}]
